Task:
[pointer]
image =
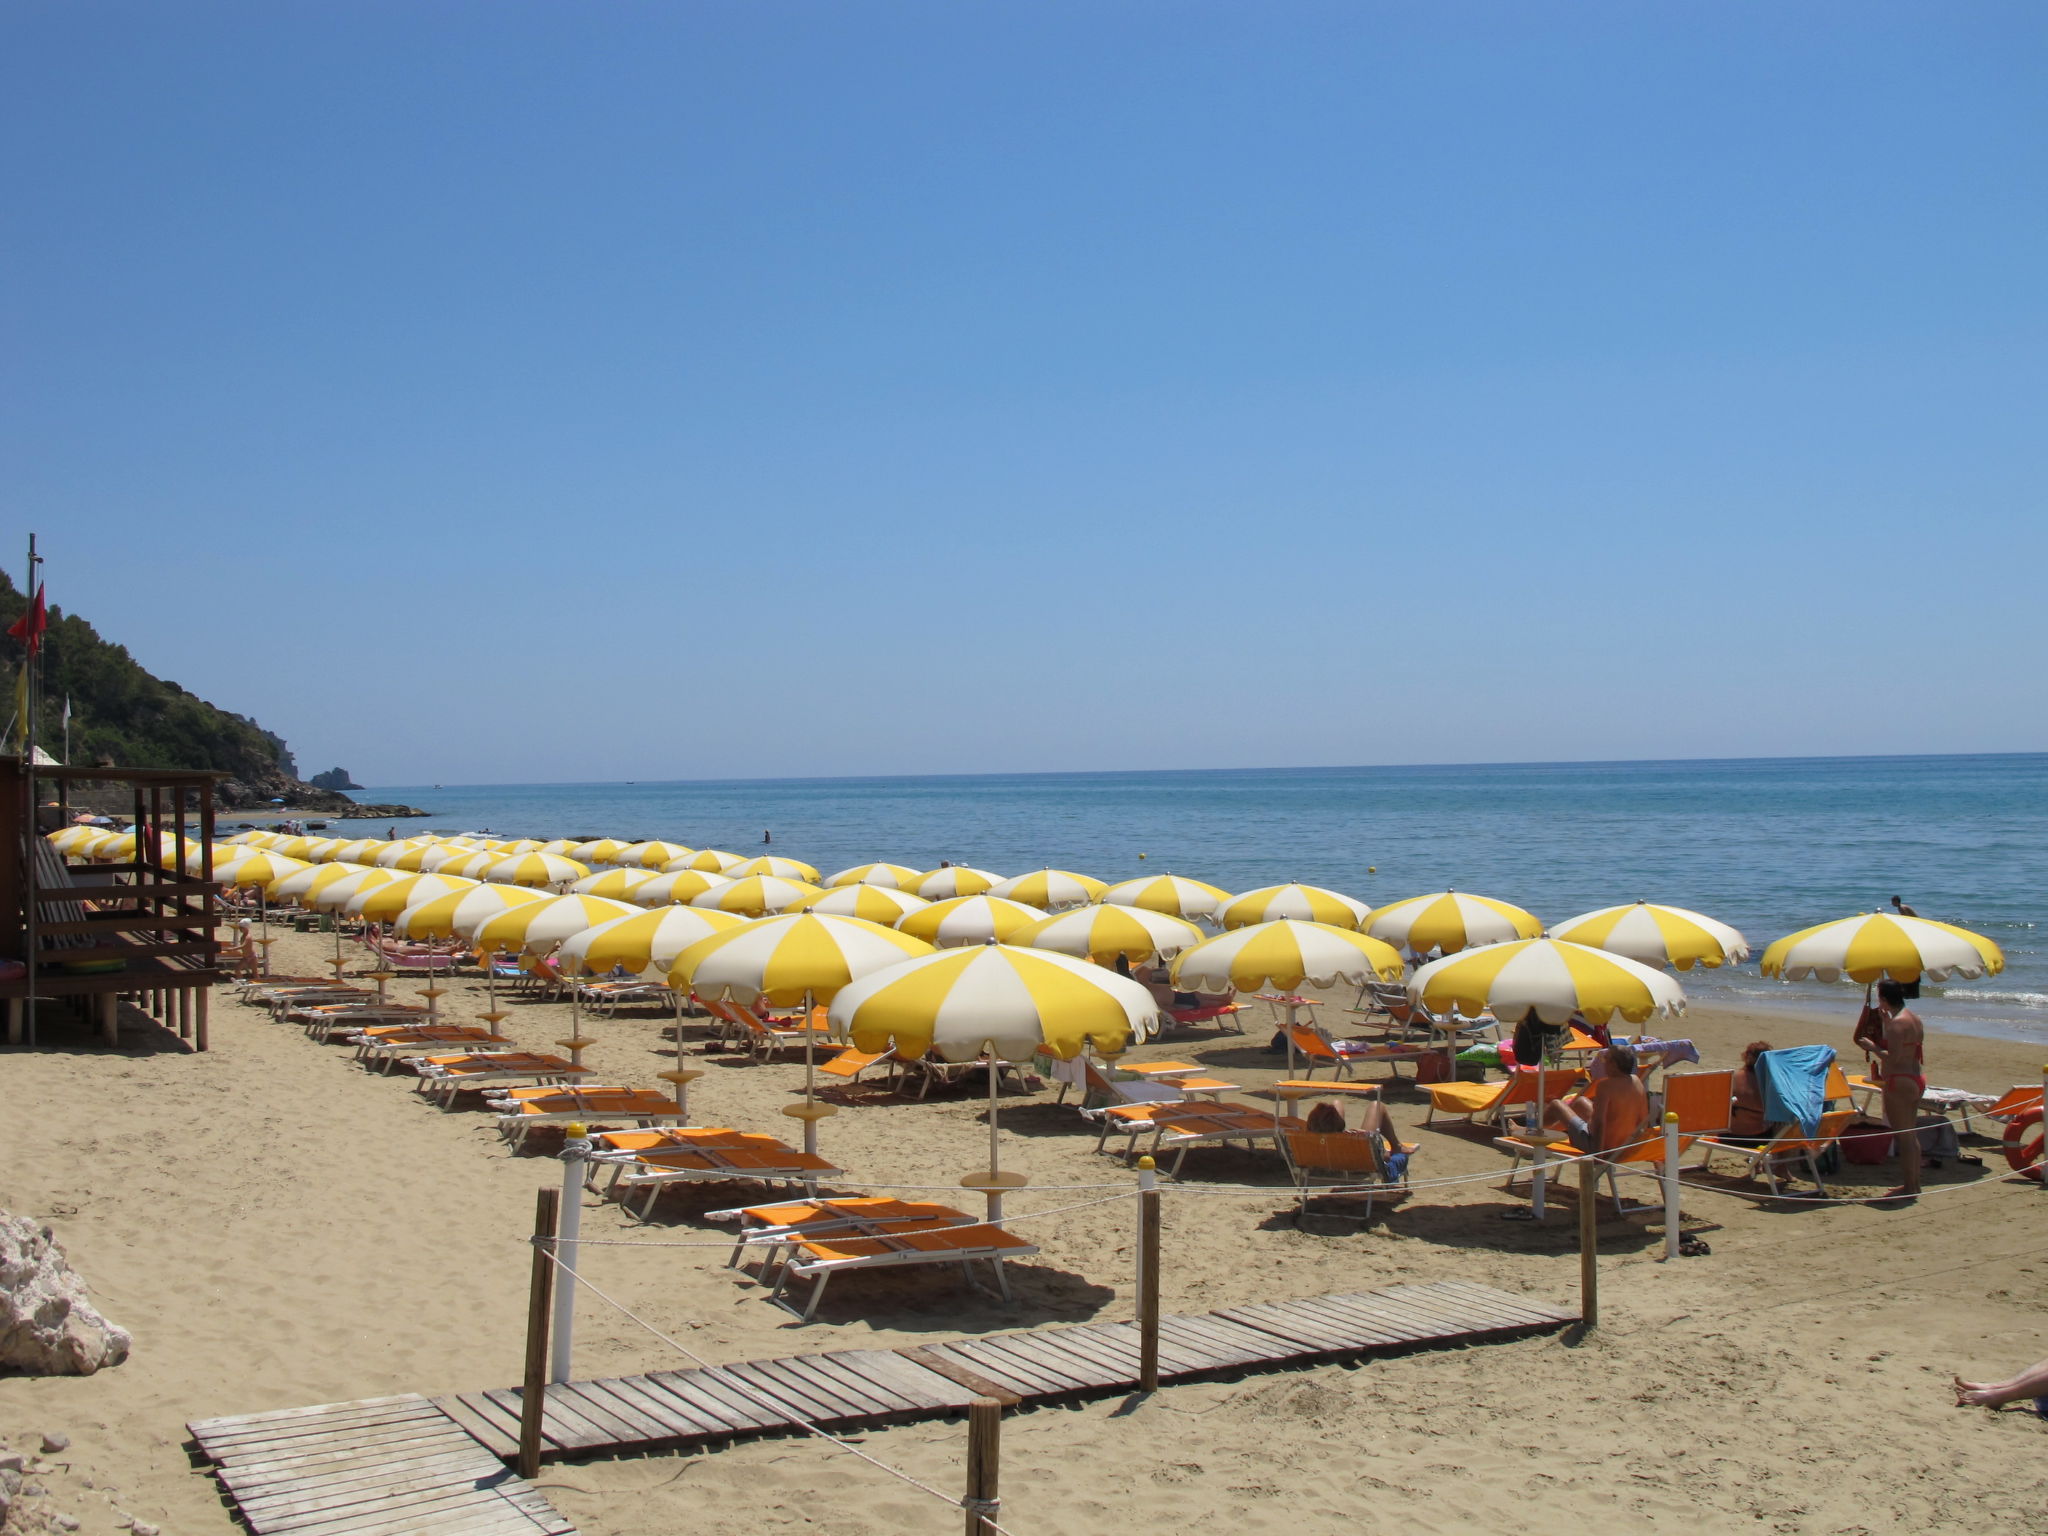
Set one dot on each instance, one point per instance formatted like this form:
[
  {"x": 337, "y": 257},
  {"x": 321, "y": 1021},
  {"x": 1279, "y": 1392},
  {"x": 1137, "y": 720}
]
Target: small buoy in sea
[
  {"x": 1372, "y": 869},
  {"x": 1141, "y": 855}
]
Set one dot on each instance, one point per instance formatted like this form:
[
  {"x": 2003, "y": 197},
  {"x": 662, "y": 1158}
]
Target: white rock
[
  {"x": 53, "y": 1443},
  {"x": 48, "y": 1324},
  {"x": 142, "y": 1528}
]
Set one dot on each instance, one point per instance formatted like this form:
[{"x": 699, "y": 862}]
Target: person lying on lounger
[{"x": 1611, "y": 1113}]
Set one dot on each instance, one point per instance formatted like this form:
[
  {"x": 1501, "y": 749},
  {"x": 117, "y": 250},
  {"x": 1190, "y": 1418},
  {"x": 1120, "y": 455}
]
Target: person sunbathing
[
  {"x": 2032, "y": 1382},
  {"x": 1746, "y": 1114},
  {"x": 1611, "y": 1113}
]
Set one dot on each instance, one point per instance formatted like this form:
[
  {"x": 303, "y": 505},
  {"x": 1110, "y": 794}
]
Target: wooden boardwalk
[
  {"x": 666, "y": 1409},
  {"x": 397, "y": 1465},
  {"x": 386, "y": 1466}
]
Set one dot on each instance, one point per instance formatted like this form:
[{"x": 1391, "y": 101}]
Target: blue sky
[{"x": 508, "y": 392}]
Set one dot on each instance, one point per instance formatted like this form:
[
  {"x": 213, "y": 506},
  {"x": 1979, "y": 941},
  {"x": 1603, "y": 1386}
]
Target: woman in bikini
[{"x": 1901, "y": 1075}]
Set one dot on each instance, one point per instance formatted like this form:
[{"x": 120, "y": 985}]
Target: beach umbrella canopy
[
  {"x": 1175, "y": 895},
  {"x": 456, "y": 914},
  {"x": 1285, "y": 953},
  {"x": 599, "y": 850},
  {"x": 619, "y": 884},
  {"x": 899, "y": 875},
  {"x": 680, "y": 886},
  {"x": 1555, "y": 979},
  {"x": 651, "y": 855},
  {"x": 302, "y": 885},
  {"x": 876, "y": 903},
  {"x": 969, "y": 920},
  {"x": 961, "y": 1002},
  {"x": 422, "y": 856},
  {"x": 536, "y": 869},
  {"x": 543, "y": 925},
  {"x": 1449, "y": 921},
  {"x": 362, "y": 850},
  {"x": 338, "y": 892},
  {"x": 565, "y": 846},
  {"x": 953, "y": 880},
  {"x": 775, "y": 864},
  {"x": 259, "y": 869},
  {"x": 66, "y": 839},
  {"x": 1880, "y": 944},
  {"x": 223, "y": 854},
  {"x": 714, "y": 861},
  {"x": 383, "y": 903},
  {"x": 522, "y": 845},
  {"x": 1656, "y": 935},
  {"x": 1101, "y": 933},
  {"x": 254, "y": 837},
  {"x": 1300, "y": 903},
  {"x": 296, "y": 847},
  {"x": 1050, "y": 889},
  {"x": 757, "y": 894},
  {"x": 472, "y": 864},
  {"x": 794, "y": 958},
  {"x": 646, "y": 941}
]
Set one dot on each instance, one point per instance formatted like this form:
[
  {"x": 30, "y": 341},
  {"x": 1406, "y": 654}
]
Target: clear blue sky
[{"x": 513, "y": 391}]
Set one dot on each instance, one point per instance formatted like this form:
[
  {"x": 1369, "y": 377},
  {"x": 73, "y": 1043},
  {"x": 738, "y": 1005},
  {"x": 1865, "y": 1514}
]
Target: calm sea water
[{"x": 1769, "y": 845}]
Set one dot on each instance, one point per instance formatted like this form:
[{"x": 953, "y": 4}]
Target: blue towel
[{"x": 1795, "y": 1084}]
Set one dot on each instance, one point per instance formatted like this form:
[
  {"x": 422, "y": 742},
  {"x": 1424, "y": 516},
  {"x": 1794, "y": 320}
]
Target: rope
[{"x": 780, "y": 1409}]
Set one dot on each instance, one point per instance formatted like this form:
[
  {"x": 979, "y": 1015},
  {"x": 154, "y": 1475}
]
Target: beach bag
[
  {"x": 1866, "y": 1142},
  {"x": 1432, "y": 1068}
]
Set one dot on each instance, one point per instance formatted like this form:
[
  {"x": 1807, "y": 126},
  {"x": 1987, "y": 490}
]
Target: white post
[
  {"x": 1671, "y": 1211},
  {"x": 995, "y": 1195},
  {"x": 575, "y": 1152}
]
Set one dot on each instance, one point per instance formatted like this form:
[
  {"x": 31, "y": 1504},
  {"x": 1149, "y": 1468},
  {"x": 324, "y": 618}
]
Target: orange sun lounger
[
  {"x": 819, "y": 1259},
  {"x": 1488, "y": 1103},
  {"x": 520, "y": 1111},
  {"x": 442, "y": 1077},
  {"x": 704, "y": 1155},
  {"x": 1346, "y": 1160}
]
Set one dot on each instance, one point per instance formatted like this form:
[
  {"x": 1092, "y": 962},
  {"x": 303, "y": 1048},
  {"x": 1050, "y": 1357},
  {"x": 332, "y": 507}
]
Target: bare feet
[{"x": 1973, "y": 1394}]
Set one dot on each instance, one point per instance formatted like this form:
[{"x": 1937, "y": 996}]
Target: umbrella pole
[
  {"x": 995, "y": 1194},
  {"x": 810, "y": 1080}
]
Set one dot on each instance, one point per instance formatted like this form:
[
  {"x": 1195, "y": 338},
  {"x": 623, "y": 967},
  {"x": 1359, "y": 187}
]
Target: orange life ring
[{"x": 2023, "y": 1136}]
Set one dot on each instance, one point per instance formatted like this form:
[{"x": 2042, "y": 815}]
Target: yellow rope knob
[
  {"x": 1146, "y": 1164},
  {"x": 1670, "y": 1118},
  {"x": 576, "y": 1130}
]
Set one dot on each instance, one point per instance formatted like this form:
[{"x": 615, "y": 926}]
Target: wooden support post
[
  {"x": 199, "y": 1029},
  {"x": 1148, "y": 1276},
  {"x": 1589, "y": 1242},
  {"x": 984, "y": 1464},
  {"x": 547, "y": 1207}
]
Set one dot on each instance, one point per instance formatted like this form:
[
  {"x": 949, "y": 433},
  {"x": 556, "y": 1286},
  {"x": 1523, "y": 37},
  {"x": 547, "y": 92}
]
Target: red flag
[{"x": 28, "y": 629}]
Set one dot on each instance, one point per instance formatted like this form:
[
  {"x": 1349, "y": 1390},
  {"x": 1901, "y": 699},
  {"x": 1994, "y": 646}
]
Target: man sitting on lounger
[{"x": 1611, "y": 1113}]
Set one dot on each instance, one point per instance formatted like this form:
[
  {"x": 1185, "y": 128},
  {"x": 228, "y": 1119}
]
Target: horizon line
[{"x": 1065, "y": 773}]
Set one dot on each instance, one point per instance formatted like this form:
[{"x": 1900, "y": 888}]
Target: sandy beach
[{"x": 280, "y": 1227}]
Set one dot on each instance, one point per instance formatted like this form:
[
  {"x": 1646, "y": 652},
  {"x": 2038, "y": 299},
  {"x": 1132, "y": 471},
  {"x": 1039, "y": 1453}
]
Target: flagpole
[{"x": 28, "y": 794}]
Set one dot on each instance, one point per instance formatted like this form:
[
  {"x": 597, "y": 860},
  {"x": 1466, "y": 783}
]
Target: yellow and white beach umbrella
[
  {"x": 1555, "y": 979},
  {"x": 794, "y": 958},
  {"x": 385, "y": 902},
  {"x": 473, "y": 864},
  {"x": 300, "y": 885},
  {"x": 540, "y": 869},
  {"x": 388, "y": 856},
  {"x": 541, "y": 926},
  {"x": 599, "y": 850},
  {"x": 969, "y": 920},
  {"x": 321, "y": 849},
  {"x": 876, "y": 903},
  {"x": 441, "y": 856},
  {"x": 337, "y": 893},
  {"x": 259, "y": 869},
  {"x": 253, "y": 837},
  {"x": 953, "y": 880},
  {"x": 296, "y": 848},
  {"x": 620, "y": 884},
  {"x": 1449, "y": 921},
  {"x": 522, "y": 845},
  {"x": 1657, "y": 935},
  {"x": 456, "y": 914},
  {"x": 775, "y": 864},
  {"x": 714, "y": 861},
  {"x": 1050, "y": 890},
  {"x": 362, "y": 850},
  {"x": 654, "y": 854},
  {"x": 1298, "y": 903},
  {"x": 1101, "y": 933},
  {"x": 1175, "y": 895},
  {"x": 565, "y": 846},
  {"x": 646, "y": 942},
  {"x": 223, "y": 855},
  {"x": 67, "y": 839},
  {"x": 757, "y": 894},
  {"x": 893, "y": 875},
  {"x": 994, "y": 998},
  {"x": 1285, "y": 953},
  {"x": 1882, "y": 944},
  {"x": 680, "y": 886}
]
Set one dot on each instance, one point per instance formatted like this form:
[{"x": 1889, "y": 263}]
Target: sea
[{"x": 1770, "y": 845}]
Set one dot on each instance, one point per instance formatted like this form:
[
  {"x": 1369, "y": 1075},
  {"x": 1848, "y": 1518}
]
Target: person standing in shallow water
[{"x": 1902, "y": 909}]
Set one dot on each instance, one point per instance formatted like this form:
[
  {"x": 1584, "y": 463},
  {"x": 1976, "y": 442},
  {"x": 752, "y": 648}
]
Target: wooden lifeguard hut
[{"x": 83, "y": 936}]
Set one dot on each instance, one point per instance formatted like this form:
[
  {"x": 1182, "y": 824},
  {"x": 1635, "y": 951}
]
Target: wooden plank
[
  {"x": 1016, "y": 1357},
  {"x": 877, "y": 1400},
  {"x": 916, "y": 1384},
  {"x": 758, "y": 1397},
  {"x": 803, "y": 1385},
  {"x": 1203, "y": 1335},
  {"x": 1284, "y": 1326},
  {"x": 1507, "y": 1301},
  {"x": 308, "y": 1448},
  {"x": 476, "y": 1469},
  {"x": 558, "y": 1422},
  {"x": 795, "y": 1401},
  {"x": 665, "y": 1408},
  {"x": 227, "y": 1441},
  {"x": 1393, "y": 1326},
  {"x": 1446, "y": 1318},
  {"x": 255, "y": 1482},
  {"x": 960, "y": 1372},
  {"x": 479, "y": 1408},
  {"x": 642, "y": 1427},
  {"x": 594, "y": 1407},
  {"x": 1023, "y": 1380},
  {"x": 1107, "y": 1355},
  {"x": 479, "y": 1427},
  {"x": 198, "y": 1427},
  {"x": 697, "y": 1392},
  {"x": 1073, "y": 1371},
  {"x": 1358, "y": 1330},
  {"x": 398, "y": 1515}
]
